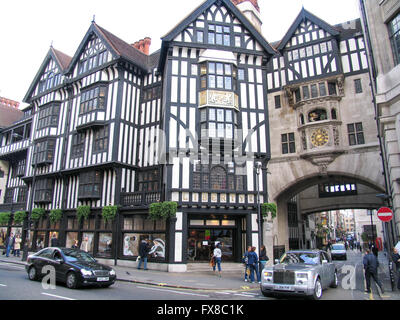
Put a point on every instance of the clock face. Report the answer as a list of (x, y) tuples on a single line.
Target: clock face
[(319, 137)]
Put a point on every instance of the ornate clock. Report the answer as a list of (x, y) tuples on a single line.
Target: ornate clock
[(319, 137)]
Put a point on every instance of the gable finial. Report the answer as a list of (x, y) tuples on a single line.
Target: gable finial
[(51, 44), (94, 19)]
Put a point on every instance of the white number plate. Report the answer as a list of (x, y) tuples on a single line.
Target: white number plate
[(286, 288), (105, 279)]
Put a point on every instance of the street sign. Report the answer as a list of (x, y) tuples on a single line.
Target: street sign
[(385, 214)]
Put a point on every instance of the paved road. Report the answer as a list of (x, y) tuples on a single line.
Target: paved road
[(14, 284)]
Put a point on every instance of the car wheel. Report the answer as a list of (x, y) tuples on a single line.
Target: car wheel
[(32, 274), (317, 290), (335, 282), (72, 280)]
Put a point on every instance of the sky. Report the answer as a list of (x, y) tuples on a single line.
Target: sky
[(29, 27)]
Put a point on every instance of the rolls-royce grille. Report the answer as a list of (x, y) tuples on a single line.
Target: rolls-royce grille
[(284, 277), (101, 273)]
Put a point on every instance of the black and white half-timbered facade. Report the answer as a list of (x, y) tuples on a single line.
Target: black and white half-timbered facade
[(116, 126)]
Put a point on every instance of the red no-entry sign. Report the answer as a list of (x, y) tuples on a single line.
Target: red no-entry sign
[(385, 214)]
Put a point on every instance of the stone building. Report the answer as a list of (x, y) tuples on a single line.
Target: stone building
[(382, 28)]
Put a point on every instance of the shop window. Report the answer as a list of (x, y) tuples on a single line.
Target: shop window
[(87, 242), (105, 245), (156, 241), (71, 238)]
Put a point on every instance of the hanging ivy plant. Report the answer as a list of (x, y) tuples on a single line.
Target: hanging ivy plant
[(37, 213), (55, 215), (83, 212), (19, 217), (163, 210), (5, 218), (269, 208), (109, 213)]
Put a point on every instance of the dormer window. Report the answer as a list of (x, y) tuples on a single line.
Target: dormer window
[(95, 55)]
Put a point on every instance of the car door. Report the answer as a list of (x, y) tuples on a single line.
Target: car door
[(42, 259), (58, 264), (329, 268)]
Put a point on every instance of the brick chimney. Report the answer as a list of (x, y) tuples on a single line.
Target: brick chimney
[(251, 10), (143, 45)]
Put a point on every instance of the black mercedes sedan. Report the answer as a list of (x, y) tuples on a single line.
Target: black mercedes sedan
[(74, 267)]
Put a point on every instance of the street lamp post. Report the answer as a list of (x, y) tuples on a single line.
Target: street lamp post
[(28, 227), (258, 166)]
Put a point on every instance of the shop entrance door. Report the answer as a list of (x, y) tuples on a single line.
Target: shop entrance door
[(201, 244)]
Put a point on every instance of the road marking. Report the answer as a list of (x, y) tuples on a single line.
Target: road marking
[(178, 292), (59, 297), (244, 295), (6, 264), (3, 285)]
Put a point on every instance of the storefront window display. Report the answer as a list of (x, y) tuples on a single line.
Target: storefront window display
[(87, 242), (71, 237), (105, 245), (131, 242), (3, 235), (40, 240)]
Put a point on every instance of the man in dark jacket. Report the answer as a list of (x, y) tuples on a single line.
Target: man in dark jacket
[(371, 265), (9, 244), (144, 250), (396, 261)]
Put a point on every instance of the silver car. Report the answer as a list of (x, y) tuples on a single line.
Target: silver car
[(300, 272)]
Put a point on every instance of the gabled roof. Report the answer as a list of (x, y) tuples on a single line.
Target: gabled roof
[(61, 59), (9, 115), (118, 47), (306, 15), (198, 12)]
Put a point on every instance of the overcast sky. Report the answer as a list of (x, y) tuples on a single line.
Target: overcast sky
[(29, 27)]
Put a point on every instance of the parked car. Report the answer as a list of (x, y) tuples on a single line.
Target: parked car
[(339, 251), (300, 272), (72, 266)]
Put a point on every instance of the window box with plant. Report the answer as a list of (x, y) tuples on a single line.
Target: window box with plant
[(19, 217), (37, 214), (269, 210), (55, 215), (5, 218), (109, 213), (83, 212), (163, 210)]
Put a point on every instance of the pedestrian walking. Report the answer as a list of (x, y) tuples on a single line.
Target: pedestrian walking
[(9, 244), (396, 261), (217, 254), (17, 245), (371, 265), (144, 250), (253, 265), (54, 241), (245, 260), (263, 257)]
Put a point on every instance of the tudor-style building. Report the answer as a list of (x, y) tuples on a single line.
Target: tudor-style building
[(114, 125)]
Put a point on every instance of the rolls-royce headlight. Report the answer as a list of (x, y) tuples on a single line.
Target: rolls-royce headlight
[(302, 276), (268, 274), (112, 272)]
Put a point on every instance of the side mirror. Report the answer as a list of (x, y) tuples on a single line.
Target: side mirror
[(324, 261), (276, 261)]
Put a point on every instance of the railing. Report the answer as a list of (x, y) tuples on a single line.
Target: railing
[(15, 147), (6, 207), (139, 198)]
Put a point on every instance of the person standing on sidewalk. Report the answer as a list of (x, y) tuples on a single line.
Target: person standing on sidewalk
[(144, 250), (253, 263), (371, 265), (396, 261), (246, 264), (217, 254), (17, 245), (9, 244), (263, 257)]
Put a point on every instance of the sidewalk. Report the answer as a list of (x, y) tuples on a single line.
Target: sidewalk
[(205, 280)]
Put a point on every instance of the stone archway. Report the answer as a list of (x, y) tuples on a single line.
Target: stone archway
[(301, 179)]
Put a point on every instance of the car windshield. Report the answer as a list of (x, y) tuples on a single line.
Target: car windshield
[(300, 257), (76, 255), (338, 247)]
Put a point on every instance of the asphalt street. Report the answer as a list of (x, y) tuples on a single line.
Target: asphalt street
[(15, 285)]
